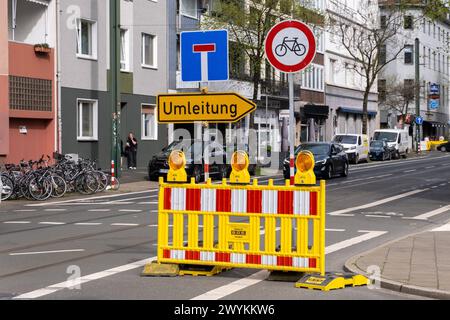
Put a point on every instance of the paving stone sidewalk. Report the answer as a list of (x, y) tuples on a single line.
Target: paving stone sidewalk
[(418, 264)]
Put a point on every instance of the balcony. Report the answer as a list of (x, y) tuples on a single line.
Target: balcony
[(276, 88)]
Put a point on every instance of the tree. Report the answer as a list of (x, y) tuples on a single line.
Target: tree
[(397, 96), (365, 36), (248, 22)]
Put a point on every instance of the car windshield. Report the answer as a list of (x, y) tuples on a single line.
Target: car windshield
[(316, 149), (376, 144), (345, 139), (389, 136), (184, 145)]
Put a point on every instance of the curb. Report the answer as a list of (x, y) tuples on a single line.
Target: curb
[(350, 266)]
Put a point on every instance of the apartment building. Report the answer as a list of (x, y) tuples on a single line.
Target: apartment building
[(344, 86), (85, 78), (434, 72), (28, 112)]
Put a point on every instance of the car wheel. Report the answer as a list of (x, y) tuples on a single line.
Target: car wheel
[(397, 155), (443, 149), (197, 174), (329, 172), (356, 159), (345, 171)]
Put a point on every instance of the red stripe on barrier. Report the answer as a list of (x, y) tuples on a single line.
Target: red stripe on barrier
[(254, 201), (223, 257), (253, 259), (284, 261), (167, 199), (285, 202), (223, 200), (313, 203), (166, 254), (312, 262), (192, 255), (193, 199)]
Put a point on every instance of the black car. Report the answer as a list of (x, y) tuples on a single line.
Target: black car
[(218, 168), (330, 159), (380, 150), (445, 147)]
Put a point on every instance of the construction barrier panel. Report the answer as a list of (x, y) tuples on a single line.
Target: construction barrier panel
[(245, 226)]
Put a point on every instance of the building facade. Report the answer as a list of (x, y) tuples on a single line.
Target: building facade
[(28, 112), (434, 73)]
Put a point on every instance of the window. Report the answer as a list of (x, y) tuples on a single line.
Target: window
[(86, 39), (320, 40), (382, 90), (408, 54), (149, 51), (149, 125), (312, 78), (332, 71), (124, 50), (382, 55), (383, 22), (87, 116), (189, 8), (408, 22)]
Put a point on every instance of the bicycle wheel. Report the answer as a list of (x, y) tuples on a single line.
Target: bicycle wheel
[(40, 188), (103, 181), (281, 50), (87, 183), (59, 186), (299, 49), (7, 187), (25, 187)]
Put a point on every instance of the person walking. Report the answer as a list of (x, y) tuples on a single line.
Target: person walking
[(131, 151)]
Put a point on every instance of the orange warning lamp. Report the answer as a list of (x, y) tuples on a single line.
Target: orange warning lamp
[(239, 166), (177, 162), (305, 168)]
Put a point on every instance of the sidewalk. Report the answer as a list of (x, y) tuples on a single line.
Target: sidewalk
[(418, 264)]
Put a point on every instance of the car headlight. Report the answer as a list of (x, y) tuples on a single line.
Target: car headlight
[(353, 148), (321, 161)]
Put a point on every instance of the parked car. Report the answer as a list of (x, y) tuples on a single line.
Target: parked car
[(158, 166), (380, 150), (399, 139), (445, 147), (330, 159), (355, 145)]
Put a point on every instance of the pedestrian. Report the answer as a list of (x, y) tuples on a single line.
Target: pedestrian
[(131, 151)]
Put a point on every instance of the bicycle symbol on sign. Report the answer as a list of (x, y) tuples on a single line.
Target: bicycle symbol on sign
[(290, 45)]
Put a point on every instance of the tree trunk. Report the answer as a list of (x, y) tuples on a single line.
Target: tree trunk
[(364, 116)]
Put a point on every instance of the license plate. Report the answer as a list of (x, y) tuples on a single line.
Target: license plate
[(163, 170)]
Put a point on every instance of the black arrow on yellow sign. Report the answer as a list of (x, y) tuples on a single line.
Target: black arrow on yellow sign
[(211, 107)]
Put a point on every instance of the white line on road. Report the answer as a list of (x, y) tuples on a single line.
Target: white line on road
[(45, 252), (151, 202), (445, 227), (259, 276), (88, 224), (430, 167), (430, 214), (17, 222), (335, 230), (99, 210), (374, 204), (125, 224), (419, 159), (53, 223), (25, 210), (55, 210), (407, 171), (376, 216), (129, 210), (94, 276), (88, 199)]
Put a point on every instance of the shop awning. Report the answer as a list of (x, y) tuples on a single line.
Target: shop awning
[(316, 111), (355, 111)]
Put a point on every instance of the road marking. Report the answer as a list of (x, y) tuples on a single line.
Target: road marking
[(129, 210), (419, 159), (88, 224), (53, 223), (90, 198), (430, 214), (129, 199), (376, 216), (125, 224), (434, 187), (442, 184), (259, 276), (45, 252), (55, 210), (407, 171), (374, 204), (99, 210), (151, 202), (94, 276), (368, 178), (445, 227), (430, 167), (17, 222), (335, 230), (25, 210)]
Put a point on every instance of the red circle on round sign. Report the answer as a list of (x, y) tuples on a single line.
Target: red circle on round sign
[(310, 54)]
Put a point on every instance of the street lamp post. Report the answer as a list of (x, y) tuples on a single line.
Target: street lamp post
[(417, 89)]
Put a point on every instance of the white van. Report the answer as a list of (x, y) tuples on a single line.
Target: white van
[(356, 146), (397, 138)]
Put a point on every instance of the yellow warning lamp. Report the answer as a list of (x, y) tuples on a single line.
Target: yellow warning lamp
[(305, 168), (177, 162), (239, 166)]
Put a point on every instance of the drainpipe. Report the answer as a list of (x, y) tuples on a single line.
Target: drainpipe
[(58, 126)]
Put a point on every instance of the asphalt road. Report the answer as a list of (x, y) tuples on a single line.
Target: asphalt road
[(106, 240)]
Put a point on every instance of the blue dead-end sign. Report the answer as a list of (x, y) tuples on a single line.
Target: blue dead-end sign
[(204, 56)]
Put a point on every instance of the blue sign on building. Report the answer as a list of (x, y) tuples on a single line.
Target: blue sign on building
[(419, 120), (204, 56), (434, 104), (434, 88)]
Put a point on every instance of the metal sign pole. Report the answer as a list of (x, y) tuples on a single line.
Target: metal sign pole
[(291, 127)]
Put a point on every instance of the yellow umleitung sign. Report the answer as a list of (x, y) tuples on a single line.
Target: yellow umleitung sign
[(212, 107)]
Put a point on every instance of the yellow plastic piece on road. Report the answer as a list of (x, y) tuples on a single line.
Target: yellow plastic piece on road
[(239, 166), (305, 169), (177, 162)]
